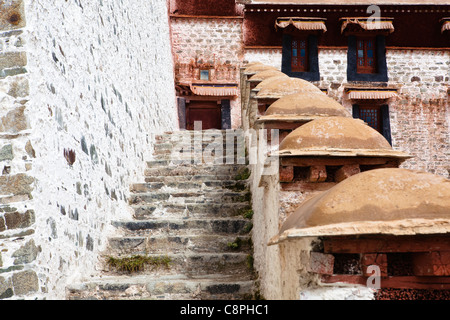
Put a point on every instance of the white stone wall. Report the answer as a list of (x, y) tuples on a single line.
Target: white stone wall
[(101, 84), (264, 187), (270, 57), (422, 74)]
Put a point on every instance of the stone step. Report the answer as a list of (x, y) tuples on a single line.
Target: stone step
[(194, 210), (207, 145), (191, 132), (190, 264), (215, 287), (179, 149), (197, 161), (193, 178), (178, 244), (172, 158), (197, 185), (192, 170), (234, 226), (188, 196), (200, 133)]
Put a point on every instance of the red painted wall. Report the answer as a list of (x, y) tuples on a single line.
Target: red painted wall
[(411, 29), (205, 7)]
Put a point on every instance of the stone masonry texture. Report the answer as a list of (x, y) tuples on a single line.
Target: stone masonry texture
[(81, 98)]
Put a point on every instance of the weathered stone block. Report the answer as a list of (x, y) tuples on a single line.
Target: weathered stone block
[(15, 220), (2, 224), (6, 290), (12, 15), (25, 282), (12, 72), (14, 121), (10, 60), (19, 88), (6, 153), (26, 253), (29, 149), (19, 184)]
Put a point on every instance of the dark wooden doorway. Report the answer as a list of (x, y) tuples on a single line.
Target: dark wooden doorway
[(208, 112)]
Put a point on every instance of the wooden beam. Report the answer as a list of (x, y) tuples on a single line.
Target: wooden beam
[(317, 174), (410, 282), (204, 16), (321, 263), (432, 263), (346, 172), (332, 161), (386, 244), (282, 125), (377, 259), (286, 173)]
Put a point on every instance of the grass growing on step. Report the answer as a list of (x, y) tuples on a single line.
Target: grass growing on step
[(247, 214), (236, 245), (250, 261), (237, 187), (248, 227), (137, 262), (243, 174)]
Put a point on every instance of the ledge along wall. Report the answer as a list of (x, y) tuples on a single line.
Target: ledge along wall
[(83, 89)]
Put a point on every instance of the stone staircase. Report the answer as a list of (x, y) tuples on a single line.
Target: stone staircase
[(190, 236)]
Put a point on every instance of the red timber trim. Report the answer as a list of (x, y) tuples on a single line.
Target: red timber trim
[(204, 17), (387, 244), (409, 282)]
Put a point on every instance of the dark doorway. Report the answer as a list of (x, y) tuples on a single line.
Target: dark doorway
[(208, 112)]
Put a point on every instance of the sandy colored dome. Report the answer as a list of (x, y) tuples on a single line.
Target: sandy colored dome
[(304, 106), (386, 201), (263, 75), (257, 67), (285, 86), (268, 81), (337, 136)]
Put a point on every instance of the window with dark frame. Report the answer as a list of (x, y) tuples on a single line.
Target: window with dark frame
[(366, 60), (299, 54), (376, 116), (366, 55), (372, 116)]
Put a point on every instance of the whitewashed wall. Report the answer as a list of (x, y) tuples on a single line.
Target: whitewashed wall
[(101, 84)]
